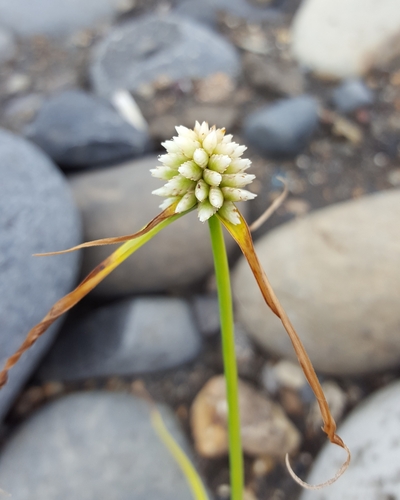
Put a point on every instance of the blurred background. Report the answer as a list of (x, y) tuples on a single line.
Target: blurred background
[(88, 91)]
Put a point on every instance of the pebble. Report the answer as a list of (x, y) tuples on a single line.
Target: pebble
[(147, 334), (281, 78), (284, 128), (337, 400), (93, 445), (81, 130), (54, 18), (37, 213), (357, 35), (209, 10), (351, 95), (371, 432), (8, 46), (20, 110), (283, 374), (206, 311), (145, 49), (336, 272), (265, 429), (118, 200)]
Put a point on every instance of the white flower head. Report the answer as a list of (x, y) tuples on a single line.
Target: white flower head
[(203, 167)]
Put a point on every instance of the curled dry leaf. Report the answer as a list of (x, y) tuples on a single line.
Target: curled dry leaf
[(241, 234)]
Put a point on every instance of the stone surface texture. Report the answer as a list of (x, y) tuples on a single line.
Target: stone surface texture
[(371, 432), (81, 130), (265, 428), (153, 47), (117, 201), (346, 37), (93, 446), (284, 128), (336, 273), (54, 17), (37, 214), (142, 335)]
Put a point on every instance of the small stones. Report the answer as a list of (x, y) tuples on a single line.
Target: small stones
[(284, 128), (351, 95), (8, 47), (93, 445), (138, 52), (129, 337), (80, 130), (336, 273), (265, 428)]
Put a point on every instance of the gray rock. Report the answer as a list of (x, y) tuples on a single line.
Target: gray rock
[(336, 272), (20, 110), (345, 38), (134, 336), (206, 311), (208, 10), (8, 47), (118, 200), (93, 446), (37, 214), (151, 47), (372, 434), (284, 128), (54, 17), (277, 76), (351, 95), (80, 130)]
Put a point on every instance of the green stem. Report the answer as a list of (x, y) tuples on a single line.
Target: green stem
[(228, 350)]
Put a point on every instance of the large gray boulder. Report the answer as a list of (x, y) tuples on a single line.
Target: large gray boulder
[(37, 214)]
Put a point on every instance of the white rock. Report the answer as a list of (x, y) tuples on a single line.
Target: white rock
[(372, 434), (337, 274), (345, 37)]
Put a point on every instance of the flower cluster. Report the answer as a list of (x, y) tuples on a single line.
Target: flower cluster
[(203, 167)]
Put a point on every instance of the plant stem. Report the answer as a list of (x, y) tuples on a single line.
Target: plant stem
[(228, 350)]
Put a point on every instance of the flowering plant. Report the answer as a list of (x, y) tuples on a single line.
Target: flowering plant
[(204, 170)]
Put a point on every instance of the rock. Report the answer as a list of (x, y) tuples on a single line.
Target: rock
[(93, 445), (280, 77), (21, 110), (284, 128), (206, 311), (351, 95), (80, 130), (337, 400), (118, 200), (283, 374), (265, 428), (8, 47), (151, 47), (125, 338), (336, 272), (371, 432), (244, 351), (208, 11), (356, 34), (37, 213), (55, 17)]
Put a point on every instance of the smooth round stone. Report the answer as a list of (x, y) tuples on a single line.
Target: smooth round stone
[(152, 47), (142, 335), (8, 47), (55, 17), (337, 275), (78, 129), (37, 214), (117, 201), (351, 95), (93, 446), (372, 434), (347, 37), (284, 128)]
